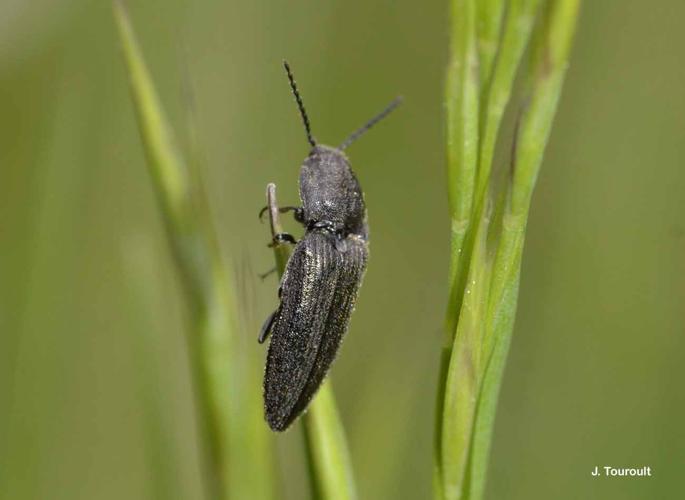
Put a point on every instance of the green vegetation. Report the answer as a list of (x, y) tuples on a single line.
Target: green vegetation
[(129, 366), (488, 228), (237, 461), (489, 218)]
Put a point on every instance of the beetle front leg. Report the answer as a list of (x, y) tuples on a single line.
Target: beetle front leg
[(280, 238), (298, 212)]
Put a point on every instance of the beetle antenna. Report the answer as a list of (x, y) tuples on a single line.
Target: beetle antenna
[(300, 104), (360, 131)]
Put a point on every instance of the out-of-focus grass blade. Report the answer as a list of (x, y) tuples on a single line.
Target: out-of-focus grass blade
[(224, 415), (250, 440), (164, 160), (328, 457), (159, 445)]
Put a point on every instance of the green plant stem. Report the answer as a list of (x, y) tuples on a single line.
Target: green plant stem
[(499, 326), (489, 17), (486, 284), (462, 139), (517, 30), (223, 416), (328, 458), (550, 55), (158, 444), (462, 154), (464, 371)]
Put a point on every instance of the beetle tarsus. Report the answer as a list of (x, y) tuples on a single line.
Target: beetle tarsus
[(282, 238), (263, 276), (266, 327), (298, 212)]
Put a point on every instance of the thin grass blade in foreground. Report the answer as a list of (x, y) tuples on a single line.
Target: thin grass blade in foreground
[(212, 319), (484, 290), (328, 457)]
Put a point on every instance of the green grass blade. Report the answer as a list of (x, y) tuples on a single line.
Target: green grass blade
[(234, 467), (464, 374), (517, 30), (462, 92), (462, 110), (490, 14), (462, 95), (482, 303), (550, 59), (499, 326), (328, 457), (165, 164), (159, 444)]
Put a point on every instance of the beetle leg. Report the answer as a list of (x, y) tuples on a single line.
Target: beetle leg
[(267, 274), (266, 327), (282, 238), (298, 212), (322, 224)]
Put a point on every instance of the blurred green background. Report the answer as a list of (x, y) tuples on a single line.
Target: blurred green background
[(94, 390)]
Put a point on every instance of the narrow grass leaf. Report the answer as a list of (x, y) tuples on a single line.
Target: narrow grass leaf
[(159, 443), (464, 374), (546, 78), (462, 139), (327, 453), (492, 250), (224, 416), (550, 58), (489, 26), (462, 95), (517, 30)]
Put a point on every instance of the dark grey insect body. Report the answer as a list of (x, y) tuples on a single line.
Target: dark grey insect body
[(322, 277)]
